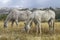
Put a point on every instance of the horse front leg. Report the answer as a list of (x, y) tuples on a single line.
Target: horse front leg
[(12, 23), (16, 21), (38, 26), (27, 26)]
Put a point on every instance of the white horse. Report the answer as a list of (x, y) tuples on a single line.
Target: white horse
[(38, 16), (16, 15)]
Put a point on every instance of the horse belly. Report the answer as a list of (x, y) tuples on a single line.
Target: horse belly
[(45, 18), (22, 18)]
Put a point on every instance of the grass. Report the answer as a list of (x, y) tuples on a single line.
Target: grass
[(16, 33)]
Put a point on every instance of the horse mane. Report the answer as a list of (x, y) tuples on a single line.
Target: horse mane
[(34, 9), (24, 9)]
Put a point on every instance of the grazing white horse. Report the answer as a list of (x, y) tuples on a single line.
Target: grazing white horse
[(16, 15), (41, 15)]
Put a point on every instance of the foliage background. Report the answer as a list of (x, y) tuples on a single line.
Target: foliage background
[(5, 11)]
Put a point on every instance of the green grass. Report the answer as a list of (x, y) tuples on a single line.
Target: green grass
[(16, 33)]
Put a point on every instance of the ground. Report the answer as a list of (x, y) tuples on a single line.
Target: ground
[(16, 33)]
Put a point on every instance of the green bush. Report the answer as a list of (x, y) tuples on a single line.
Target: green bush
[(3, 16)]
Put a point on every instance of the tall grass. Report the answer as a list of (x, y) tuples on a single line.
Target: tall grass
[(16, 33)]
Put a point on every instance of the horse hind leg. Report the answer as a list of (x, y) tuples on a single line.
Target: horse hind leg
[(51, 25)]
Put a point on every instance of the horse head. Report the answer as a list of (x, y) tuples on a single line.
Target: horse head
[(5, 24)]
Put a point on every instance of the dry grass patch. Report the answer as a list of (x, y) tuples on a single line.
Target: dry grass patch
[(15, 33)]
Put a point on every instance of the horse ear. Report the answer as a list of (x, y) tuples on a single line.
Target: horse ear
[(26, 9), (51, 8)]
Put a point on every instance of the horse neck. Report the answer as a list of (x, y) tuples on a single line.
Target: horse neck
[(7, 19)]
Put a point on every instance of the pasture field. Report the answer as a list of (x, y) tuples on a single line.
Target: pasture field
[(16, 33)]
